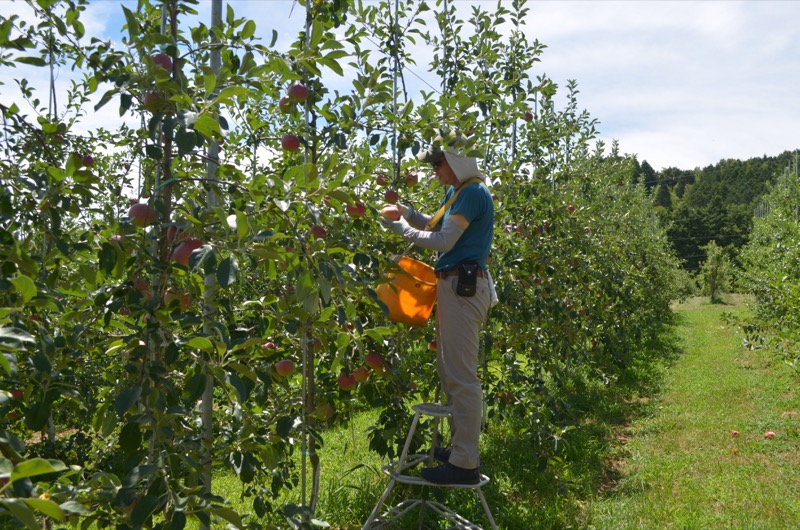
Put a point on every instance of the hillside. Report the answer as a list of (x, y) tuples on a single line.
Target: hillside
[(715, 203)]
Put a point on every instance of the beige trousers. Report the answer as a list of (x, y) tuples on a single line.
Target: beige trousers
[(458, 325)]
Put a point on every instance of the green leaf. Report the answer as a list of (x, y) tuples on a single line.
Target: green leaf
[(74, 507), (231, 92), (200, 343), (145, 509), (155, 152), (242, 225), (207, 125), (210, 82), (106, 98), (248, 30), (34, 467), (126, 399), (107, 258), (35, 61), (333, 65), (25, 286), (130, 438), (22, 512), (227, 272), (317, 30), (228, 514), (47, 507)]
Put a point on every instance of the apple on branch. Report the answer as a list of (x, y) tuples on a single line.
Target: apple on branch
[(324, 411), (163, 60), (318, 232), (361, 374), (391, 196), (356, 210), (346, 381), (142, 214), (298, 92), (290, 142), (375, 361), (183, 252), (284, 367)]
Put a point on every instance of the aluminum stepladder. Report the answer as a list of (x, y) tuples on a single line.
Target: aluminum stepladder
[(396, 471)]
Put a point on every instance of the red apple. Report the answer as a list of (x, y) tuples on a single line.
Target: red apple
[(355, 210), (16, 393), (142, 214), (769, 434), (124, 311), (382, 179), (412, 178), (143, 286), (318, 232), (163, 60), (183, 252), (571, 208), (12, 416), (528, 116), (172, 231), (324, 411), (391, 196), (284, 367), (285, 105), (734, 433), (269, 345), (153, 101), (184, 299), (87, 160), (290, 142), (298, 92), (375, 361), (361, 374), (432, 345), (346, 381)]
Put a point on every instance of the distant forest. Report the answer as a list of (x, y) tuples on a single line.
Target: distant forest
[(716, 203)]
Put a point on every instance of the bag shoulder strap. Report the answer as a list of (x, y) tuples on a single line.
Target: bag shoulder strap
[(438, 215)]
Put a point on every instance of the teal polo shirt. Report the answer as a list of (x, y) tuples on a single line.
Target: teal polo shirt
[(476, 205)]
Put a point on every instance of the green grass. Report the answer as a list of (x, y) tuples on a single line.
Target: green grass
[(653, 450), (683, 468)]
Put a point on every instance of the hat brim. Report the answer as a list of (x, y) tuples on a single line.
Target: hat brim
[(431, 156)]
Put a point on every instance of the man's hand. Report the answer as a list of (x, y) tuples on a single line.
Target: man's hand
[(398, 227)]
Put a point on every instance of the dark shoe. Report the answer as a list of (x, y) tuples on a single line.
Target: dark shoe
[(449, 474), (442, 454)]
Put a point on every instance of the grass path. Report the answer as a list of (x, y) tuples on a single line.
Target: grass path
[(684, 467)]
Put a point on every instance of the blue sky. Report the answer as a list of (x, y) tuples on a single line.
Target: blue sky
[(678, 83)]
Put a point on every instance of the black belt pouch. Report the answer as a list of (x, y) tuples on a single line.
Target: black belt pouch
[(467, 278)]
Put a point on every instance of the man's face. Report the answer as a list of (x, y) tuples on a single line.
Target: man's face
[(444, 172)]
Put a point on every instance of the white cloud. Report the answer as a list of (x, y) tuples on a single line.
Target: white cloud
[(679, 83)]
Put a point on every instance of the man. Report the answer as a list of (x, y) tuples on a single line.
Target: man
[(463, 239)]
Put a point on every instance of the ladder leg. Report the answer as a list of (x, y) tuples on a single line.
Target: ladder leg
[(421, 520), (377, 507), (401, 464), (486, 509)]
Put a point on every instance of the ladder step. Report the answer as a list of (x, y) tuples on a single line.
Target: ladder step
[(433, 409), (397, 475)]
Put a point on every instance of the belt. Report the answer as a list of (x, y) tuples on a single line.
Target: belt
[(480, 273)]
